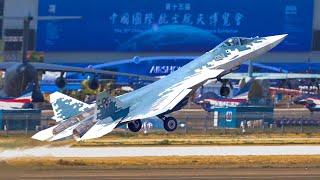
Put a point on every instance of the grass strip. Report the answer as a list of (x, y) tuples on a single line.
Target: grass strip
[(293, 161), (130, 139)]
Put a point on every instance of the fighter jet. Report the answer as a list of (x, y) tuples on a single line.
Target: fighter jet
[(250, 76), (311, 101), (205, 95), (158, 99)]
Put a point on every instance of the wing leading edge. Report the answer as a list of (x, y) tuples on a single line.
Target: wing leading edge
[(272, 76), (160, 102), (62, 68), (149, 107)]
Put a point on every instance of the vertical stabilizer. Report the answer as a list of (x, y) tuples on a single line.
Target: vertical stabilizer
[(110, 112), (65, 106)]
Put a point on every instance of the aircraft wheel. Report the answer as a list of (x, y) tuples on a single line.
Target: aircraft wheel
[(170, 124), (135, 125), (60, 82), (37, 96), (93, 84), (224, 91)]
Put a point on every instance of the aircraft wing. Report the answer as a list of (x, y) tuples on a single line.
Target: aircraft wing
[(6, 65), (146, 102), (262, 76), (156, 102), (63, 68)]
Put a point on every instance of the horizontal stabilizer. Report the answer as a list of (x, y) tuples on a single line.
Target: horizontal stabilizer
[(45, 134), (64, 129), (100, 129), (64, 134)]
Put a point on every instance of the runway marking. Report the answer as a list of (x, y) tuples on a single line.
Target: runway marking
[(161, 151), (206, 173)]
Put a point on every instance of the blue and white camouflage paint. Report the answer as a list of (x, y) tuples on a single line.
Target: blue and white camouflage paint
[(162, 96)]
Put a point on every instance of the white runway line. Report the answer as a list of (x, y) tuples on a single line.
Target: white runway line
[(160, 151)]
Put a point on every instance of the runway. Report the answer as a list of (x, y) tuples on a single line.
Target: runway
[(123, 174), (160, 151)]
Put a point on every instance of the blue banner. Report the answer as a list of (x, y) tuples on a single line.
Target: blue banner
[(170, 25), (164, 65)]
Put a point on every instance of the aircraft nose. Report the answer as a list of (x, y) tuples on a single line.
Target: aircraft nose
[(275, 40), (296, 101), (299, 100)]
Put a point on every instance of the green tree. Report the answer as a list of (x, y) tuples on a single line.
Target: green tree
[(86, 90)]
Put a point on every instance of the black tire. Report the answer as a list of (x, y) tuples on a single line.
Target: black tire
[(37, 96), (60, 82), (93, 84), (135, 126), (170, 124), (224, 91)]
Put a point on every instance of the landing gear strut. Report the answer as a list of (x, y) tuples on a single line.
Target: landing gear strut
[(135, 126), (169, 123)]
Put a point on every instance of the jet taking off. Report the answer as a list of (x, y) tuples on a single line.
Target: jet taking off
[(171, 93)]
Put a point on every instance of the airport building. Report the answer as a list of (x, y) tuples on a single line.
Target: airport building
[(236, 117), (107, 31), (14, 120)]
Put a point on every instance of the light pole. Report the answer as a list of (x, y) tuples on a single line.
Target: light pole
[(26, 33)]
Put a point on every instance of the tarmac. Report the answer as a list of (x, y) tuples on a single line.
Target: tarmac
[(123, 174), (161, 151)]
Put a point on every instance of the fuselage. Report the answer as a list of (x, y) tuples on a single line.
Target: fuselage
[(310, 101), (226, 56), (156, 99), (17, 78)]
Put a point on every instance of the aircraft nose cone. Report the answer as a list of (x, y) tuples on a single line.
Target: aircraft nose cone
[(277, 37), (296, 101), (275, 40), (299, 100)]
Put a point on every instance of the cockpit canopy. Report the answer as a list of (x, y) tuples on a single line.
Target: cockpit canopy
[(236, 41)]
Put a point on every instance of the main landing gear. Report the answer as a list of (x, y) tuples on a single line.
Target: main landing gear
[(135, 126), (169, 123)]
